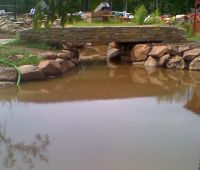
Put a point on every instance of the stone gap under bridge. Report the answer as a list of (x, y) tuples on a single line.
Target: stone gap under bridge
[(106, 34)]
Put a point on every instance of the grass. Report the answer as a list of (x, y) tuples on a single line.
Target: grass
[(194, 38), (8, 53), (31, 44)]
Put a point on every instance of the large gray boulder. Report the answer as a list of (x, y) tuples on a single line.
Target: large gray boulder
[(176, 62), (8, 74), (50, 67), (140, 52), (195, 64), (191, 54), (30, 72)]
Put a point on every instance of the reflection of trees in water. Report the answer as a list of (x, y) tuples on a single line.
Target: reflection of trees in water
[(178, 96), (28, 152), (193, 103)]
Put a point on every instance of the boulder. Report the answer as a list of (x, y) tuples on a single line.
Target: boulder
[(172, 50), (76, 52), (70, 64), (48, 56), (30, 72), (151, 61), (64, 65), (158, 51), (191, 54), (113, 45), (6, 84), (113, 52), (140, 52), (75, 60), (195, 64), (63, 56), (181, 50), (66, 54), (50, 67), (176, 62), (163, 60), (8, 74)]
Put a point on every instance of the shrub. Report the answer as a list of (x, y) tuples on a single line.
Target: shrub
[(155, 18), (140, 15), (188, 26)]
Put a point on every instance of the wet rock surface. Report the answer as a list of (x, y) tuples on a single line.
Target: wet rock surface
[(195, 64), (191, 54), (140, 52), (8, 74), (30, 72), (176, 62), (158, 51), (151, 61), (50, 67)]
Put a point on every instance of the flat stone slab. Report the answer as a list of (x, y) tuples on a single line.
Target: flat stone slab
[(102, 34)]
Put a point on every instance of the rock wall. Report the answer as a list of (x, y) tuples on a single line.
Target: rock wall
[(52, 64), (163, 55), (102, 35)]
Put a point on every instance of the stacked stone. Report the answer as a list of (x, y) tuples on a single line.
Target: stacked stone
[(52, 65), (169, 56), (8, 26)]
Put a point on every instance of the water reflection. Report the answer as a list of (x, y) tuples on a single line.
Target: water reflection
[(99, 82), (15, 153)]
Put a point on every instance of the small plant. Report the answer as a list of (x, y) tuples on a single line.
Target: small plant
[(155, 18), (140, 15), (188, 26)]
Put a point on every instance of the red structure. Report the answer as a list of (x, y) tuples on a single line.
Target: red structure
[(196, 27)]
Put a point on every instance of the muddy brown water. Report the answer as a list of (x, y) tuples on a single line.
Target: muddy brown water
[(96, 118)]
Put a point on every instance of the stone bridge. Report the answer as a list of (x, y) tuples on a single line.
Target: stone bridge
[(106, 34)]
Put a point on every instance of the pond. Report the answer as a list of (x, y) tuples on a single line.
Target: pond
[(98, 118)]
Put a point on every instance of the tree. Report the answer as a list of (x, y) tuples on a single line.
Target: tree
[(55, 9)]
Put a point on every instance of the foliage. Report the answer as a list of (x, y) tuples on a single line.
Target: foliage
[(188, 26), (7, 53), (155, 18), (166, 6), (140, 15), (49, 10)]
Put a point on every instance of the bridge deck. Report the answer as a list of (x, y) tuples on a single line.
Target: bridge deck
[(102, 35)]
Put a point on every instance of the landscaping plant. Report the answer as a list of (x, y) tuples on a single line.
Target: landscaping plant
[(140, 15)]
